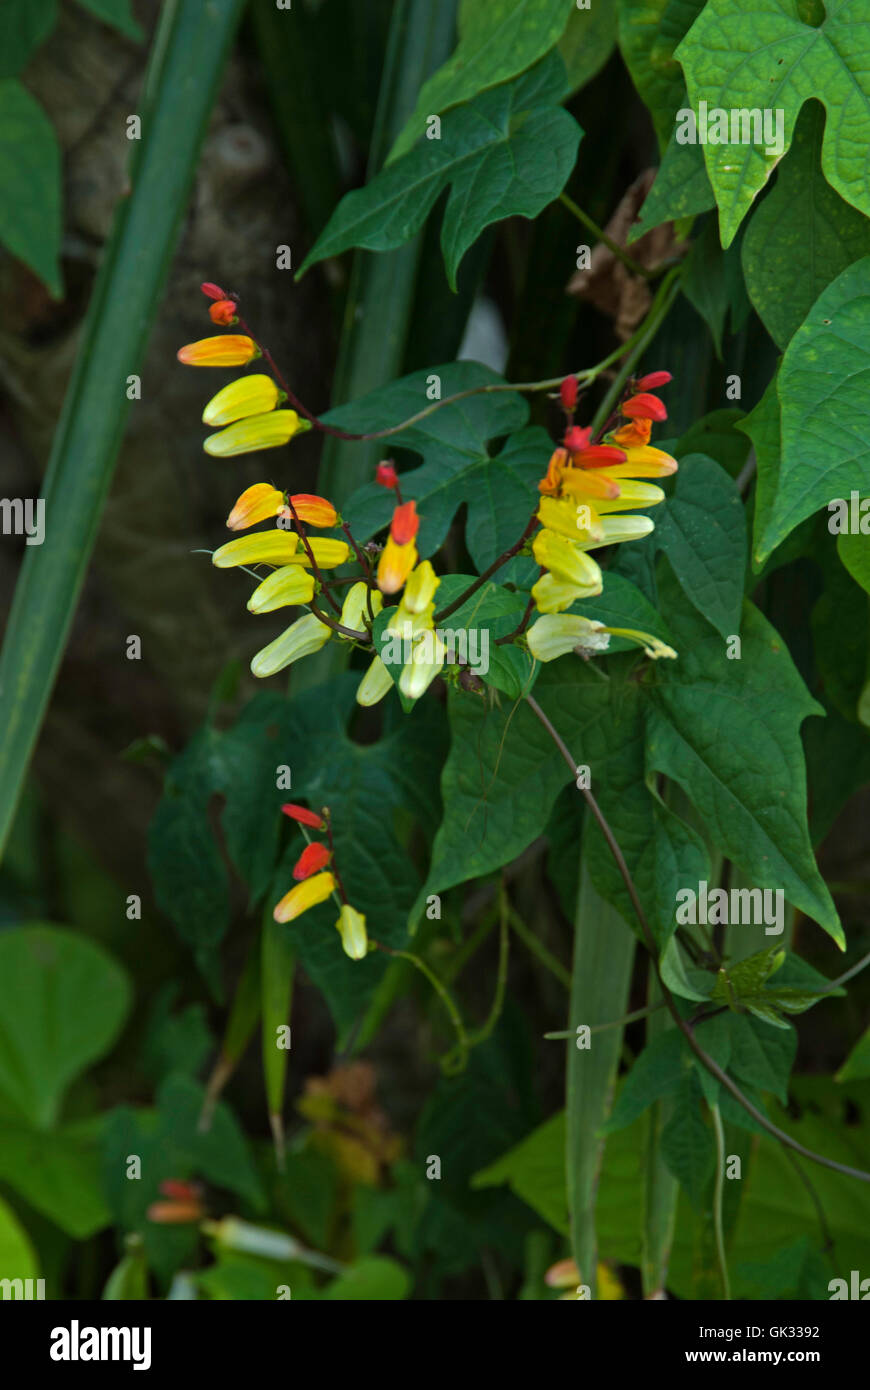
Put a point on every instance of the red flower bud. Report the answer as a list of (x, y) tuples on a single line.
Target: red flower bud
[(181, 1191), (405, 523), (303, 815), (386, 474), (601, 456), (313, 858), (653, 380), (644, 407), (223, 311), (576, 439), (212, 291), (568, 392)]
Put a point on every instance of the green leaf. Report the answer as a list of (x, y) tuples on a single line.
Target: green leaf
[(853, 550), (30, 176), (763, 427), (493, 611), (822, 387), (58, 1173), (649, 31), (687, 1142), (62, 1006), (658, 1071), (507, 153), (713, 282), (702, 530), (17, 1255), (857, 1065), (757, 54), (23, 27), (716, 436), (500, 490), (714, 725), (191, 40), (129, 1278), (535, 1170), (681, 190), (276, 975), (498, 40), (117, 13), (801, 236), (762, 1056), (374, 1279), (587, 43)]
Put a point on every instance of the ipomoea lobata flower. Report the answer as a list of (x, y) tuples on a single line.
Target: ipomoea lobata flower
[(567, 561), (355, 610), (289, 584), (420, 588), (303, 896), (227, 350), (249, 395), (395, 565), (302, 638), (313, 858), (257, 503), (375, 684), (555, 635), (303, 815), (223, 311), (255, 432), (263, 548), (311, 510), (644, 406), (351, 927), (428, 654)]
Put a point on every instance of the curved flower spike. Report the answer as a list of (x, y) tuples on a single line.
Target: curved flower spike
[(307, 894), (255, 432), (249, 395), (227, 350)]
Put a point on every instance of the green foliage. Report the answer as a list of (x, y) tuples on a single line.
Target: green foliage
[(30, 221)]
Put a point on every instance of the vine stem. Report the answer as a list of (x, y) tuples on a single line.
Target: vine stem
[(637, 345), (488, 572), (443, 994), (718, 1193), (649, 940), (618, 251)]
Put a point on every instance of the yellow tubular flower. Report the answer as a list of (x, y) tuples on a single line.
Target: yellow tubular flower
[(327, 553), (375, 684), (420, 588), (250, 395), (256, 432), (395, 565), (625, 528), (579, 521), (653, 646), (308, 893), (551, 636), (355, 609), (290, 584), (552, 595), (302, 638), (644, 462), (256, 503), (588, 482), (311, 510), (631, 495), (226, 350), (265, 548), (351, 927), (567, 561), (427, 658)]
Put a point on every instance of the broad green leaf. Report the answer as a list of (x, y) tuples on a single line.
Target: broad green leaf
[(649, 31), (507, 153), (129, 1279), (587, 43), (30, 176), (801, 236), (702, 530), (687, 1141), (500, 489), (498, 40), (376, 1278), (658, 1071), (798, 1271), (857, 1065), (838, 764), (62, 1003), (840, 625), (117, 13), (276, 975), (681, 190), (17, 1256), (58, 1173), (124, 303), (23, 27), (716, 436), (762, 1056), (854, 551), (715, 725), (757, 55), (713, 282), (823, 391), (763, 427)]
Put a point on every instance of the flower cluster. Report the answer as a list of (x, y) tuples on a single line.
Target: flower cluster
[(588, 494), (317, 879)]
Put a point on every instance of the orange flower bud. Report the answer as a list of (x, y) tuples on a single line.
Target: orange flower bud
[(644, 407), (405, 523), (395, 565), (313, 858), (386, 474), (633, 435), (257, 503), (552, 479), (303, 815), (228, 350), (175, 1213), (652, 380), (311, 510), (223, 311)]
